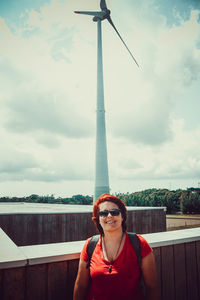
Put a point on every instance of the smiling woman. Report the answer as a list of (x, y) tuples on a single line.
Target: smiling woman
[(114, 270)]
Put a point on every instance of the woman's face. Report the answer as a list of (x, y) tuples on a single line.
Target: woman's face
[(109, 222)]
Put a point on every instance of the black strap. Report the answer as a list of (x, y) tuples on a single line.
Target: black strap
[(137, 247), (90, 248), (135, 242)]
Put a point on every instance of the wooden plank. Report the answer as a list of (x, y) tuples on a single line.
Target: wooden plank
[(83, 226), (197, 244), (157, 254), (71, 277), (1, 284), (54, 227), (59, 228), (14, 284), (191, 270), (72, 227), (46, 233), (5, 223), (160, 220), (90, 227), (180, 272), (132, 225), (8, 227), (63, 236), (40, 230), (24, 230), (57, 281), (17, 229), (146, 218), (167, 258), (79, 230), (154, 222), (30, 237), (36, 282), (138, 224), (130, 220)]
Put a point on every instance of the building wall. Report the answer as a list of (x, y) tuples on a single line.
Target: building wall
[(33, 229)]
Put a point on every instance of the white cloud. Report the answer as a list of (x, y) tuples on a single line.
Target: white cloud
[(48, 95)]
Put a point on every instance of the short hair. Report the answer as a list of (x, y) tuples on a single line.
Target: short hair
[(110, 198)]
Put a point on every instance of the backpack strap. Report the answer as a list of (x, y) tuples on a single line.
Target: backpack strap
[(90, 248), (135, 242)]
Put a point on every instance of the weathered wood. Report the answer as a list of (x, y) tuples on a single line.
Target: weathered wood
[(47, 224), (57, 281), (178, 269), (14, 284), (167, 258), (91, 228), (71, 277), (197, 244), (180, 272), (64, 229), (40, 237), (54, 229), (82, 223), (157, 254), (146, 220), (191, 271), (72, 227), (1, 284), (5, 224), (36, 282), (34, 229)]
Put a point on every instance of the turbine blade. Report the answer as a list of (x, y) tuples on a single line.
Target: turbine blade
[(91, 13), (103, 5), (111, 22)]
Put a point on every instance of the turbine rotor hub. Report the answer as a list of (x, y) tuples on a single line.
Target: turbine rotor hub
[(105, 15)]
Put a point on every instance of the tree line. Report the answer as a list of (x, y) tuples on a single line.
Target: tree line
[(185, 201)]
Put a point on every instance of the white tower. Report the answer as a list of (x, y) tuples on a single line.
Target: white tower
[(101, 171)]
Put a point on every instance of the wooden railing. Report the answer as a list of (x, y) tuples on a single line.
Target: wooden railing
[(34, 224), (48, 271)]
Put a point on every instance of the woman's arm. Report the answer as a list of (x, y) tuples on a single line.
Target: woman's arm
[(82, 281), (150, 277)]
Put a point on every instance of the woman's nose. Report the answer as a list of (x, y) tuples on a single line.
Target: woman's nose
[(109, 214)]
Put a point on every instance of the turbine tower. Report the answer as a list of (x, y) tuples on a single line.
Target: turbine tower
[(101, 171)]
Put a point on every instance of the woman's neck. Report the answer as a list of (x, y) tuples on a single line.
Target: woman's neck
[(113, 235)]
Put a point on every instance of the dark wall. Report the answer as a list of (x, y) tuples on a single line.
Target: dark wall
[(34, 229), (178, 276)]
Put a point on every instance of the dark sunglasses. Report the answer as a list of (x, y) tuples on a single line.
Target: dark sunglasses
[(113, 212)]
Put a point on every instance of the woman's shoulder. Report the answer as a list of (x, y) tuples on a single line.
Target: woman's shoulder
[(88, 243), (144, 245)]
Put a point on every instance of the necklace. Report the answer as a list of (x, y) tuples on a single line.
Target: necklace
[(110, 266)]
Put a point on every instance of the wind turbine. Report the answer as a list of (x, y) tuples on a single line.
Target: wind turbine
[(101, 171)]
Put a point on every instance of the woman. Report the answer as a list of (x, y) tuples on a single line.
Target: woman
[(114, 272)]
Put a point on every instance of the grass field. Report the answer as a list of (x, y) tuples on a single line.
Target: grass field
[(175, 222)]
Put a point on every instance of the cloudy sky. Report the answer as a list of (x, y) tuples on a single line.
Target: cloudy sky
[(48, 96)]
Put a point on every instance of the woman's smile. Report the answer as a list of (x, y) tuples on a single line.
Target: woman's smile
[(110, 222)]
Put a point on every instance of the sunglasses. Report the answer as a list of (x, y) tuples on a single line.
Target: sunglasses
[(113, 212)]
